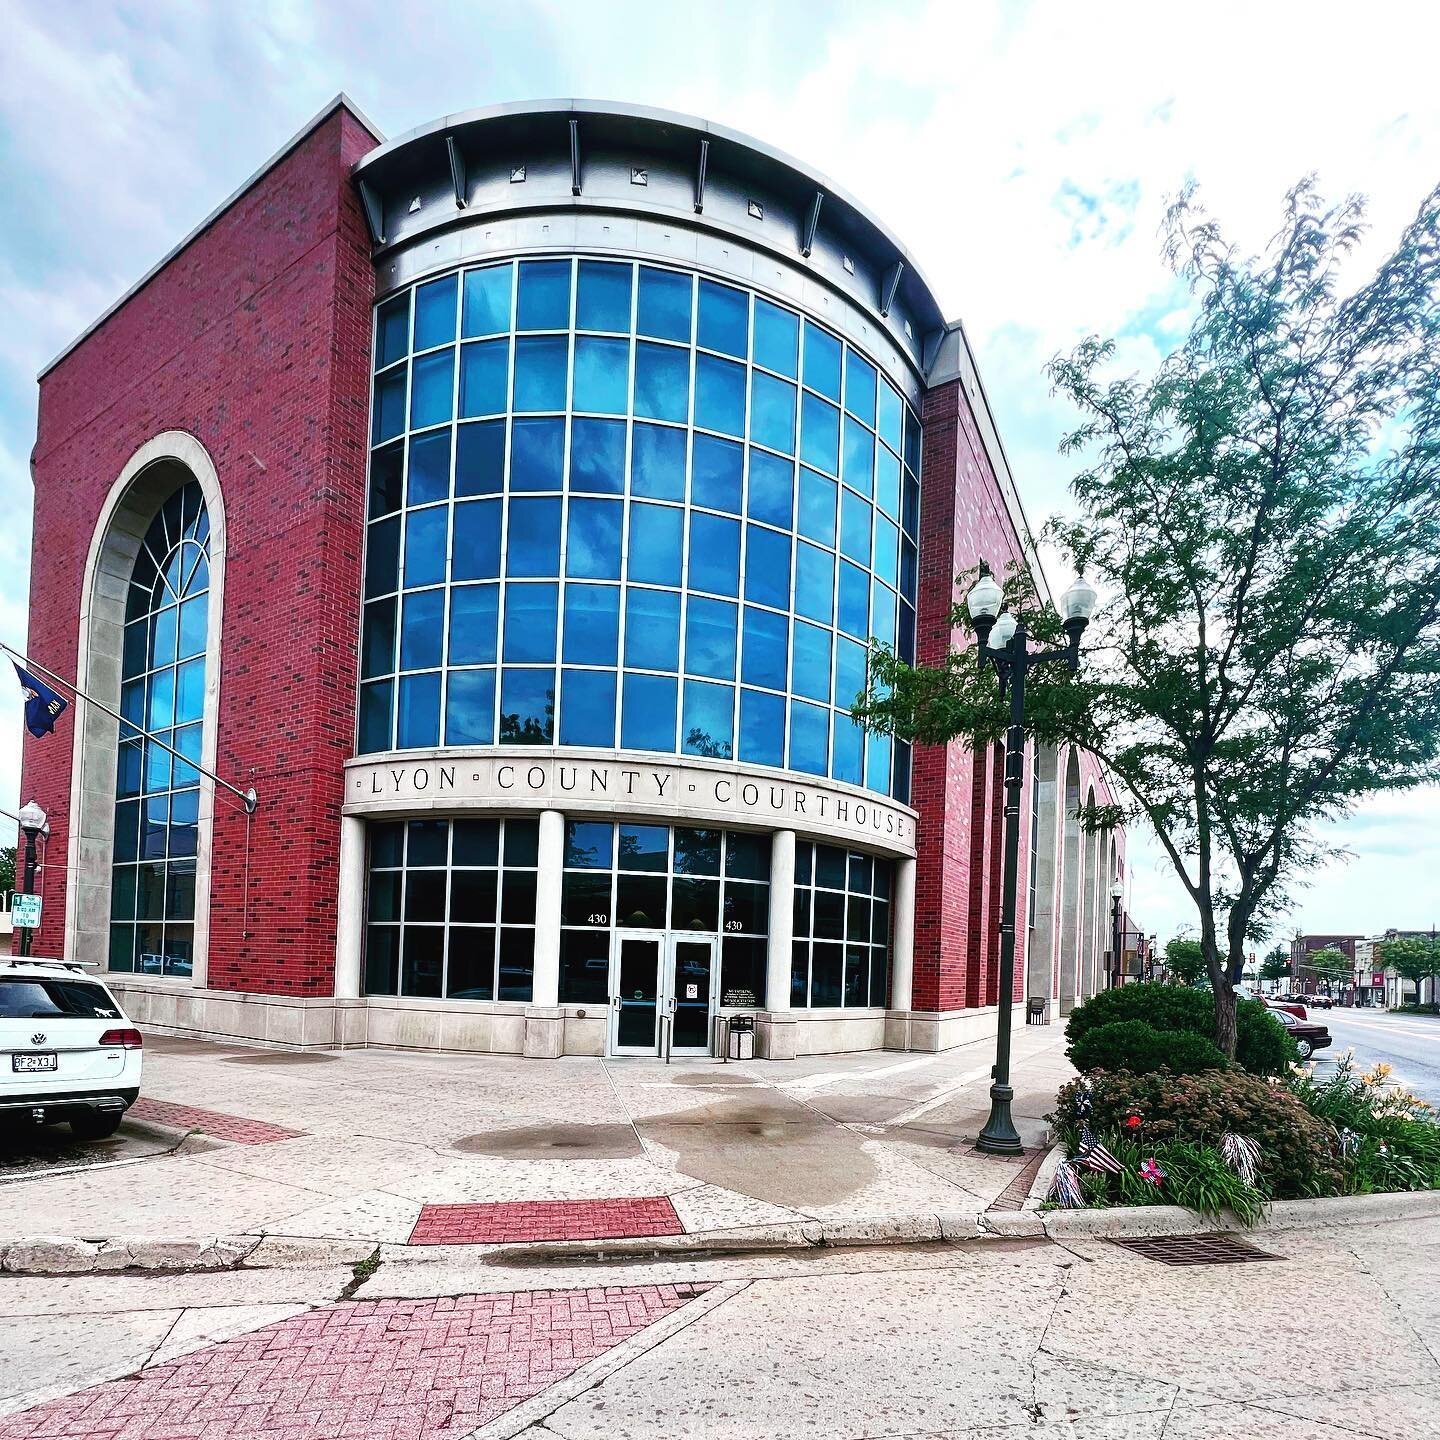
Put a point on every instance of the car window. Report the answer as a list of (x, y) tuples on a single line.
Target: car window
[(1284, 1017), (28, 998)]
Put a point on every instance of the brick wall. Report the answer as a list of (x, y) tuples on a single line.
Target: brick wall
[(255, 339)]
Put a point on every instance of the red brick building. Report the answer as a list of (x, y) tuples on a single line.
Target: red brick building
[(509, 505)]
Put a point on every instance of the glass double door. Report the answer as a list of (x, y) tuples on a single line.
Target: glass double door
[(662, 993)]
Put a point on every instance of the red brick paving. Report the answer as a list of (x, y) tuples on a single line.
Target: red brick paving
[(212, 1122), (362, 1370), (511, 1221)]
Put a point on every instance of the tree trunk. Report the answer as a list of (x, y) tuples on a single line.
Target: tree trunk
[(1225, 1020)]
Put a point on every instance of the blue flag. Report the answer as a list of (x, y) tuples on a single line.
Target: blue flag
[(43, 707)]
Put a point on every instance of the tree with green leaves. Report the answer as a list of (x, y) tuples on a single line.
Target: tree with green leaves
[(1415, 958), (1332, 967), (7, 869), (1276, 964), (1262, 519), (1184, 960)]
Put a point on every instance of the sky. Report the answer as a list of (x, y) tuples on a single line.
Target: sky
[(1023, 153)]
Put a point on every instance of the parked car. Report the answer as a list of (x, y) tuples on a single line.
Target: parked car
[(1321, 1002), (1307, 1035), (1298, 1011), (67, 1050)]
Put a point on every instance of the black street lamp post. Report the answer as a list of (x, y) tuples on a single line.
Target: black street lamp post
[(1117, 938), (33, 823), (1012, 662)]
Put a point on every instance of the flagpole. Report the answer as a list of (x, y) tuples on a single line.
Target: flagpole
[(247, 797)]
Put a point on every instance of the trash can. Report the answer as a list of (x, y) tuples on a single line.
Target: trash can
[(742, 1037), (1035, 1011)]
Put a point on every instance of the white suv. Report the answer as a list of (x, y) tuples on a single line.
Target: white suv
[(67, 1052)]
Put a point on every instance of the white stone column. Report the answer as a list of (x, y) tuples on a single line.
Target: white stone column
[(776, 1038), (902, 956), (551, 862), (350, 908)]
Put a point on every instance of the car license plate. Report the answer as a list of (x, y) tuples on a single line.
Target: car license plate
[(43, 1060)]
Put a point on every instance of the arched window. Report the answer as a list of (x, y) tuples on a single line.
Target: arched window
[(162, 691)]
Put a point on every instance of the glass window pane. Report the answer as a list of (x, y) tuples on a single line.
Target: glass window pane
[(429, 477), (694, 904), (855, 516), (772, 412), (809, 738), (602, 375), (538, 460), (747, 855), (389, 417), (766, 649), (657, 466), (877, 762), (477, 842), (814, 583), (470, 707), (664, 304), (432, 389), (849, 672), (530, 622), (480, 458), (697, 852), (708, 721), (717, 474), (435, 313), (422, 960), (375, 717), (882, 613), (747, 907), (860, 387), (476, 540), (541, 362), (714, 554), (887, 550), (710, 638), (473, 615), (822, 361), (522, 843), (603, 299), (527, 707), (762, 728), (425, 545), (648, 713), (392, 330), (589, 844), (592, 539), (160, 700), (767, 567), (772, 489), (887, 483), (586, 897), (652, 629), (909, 571), (532, 537), (777, 337), (419, 716), (517, 963), (640, 901), (644, 848), (890, 413), (422, 630), (724, 319), (662, 383), (854, 616), (180, 890), (811, 673), (486, 304), (720, 395), (382, 960), (849, 758), (820, 434), (597, 456), (470, 968), (859, 466), (587, 708), (484, 378), (656, 544), (162, 637), (190, 691), (585, 966), (544, 301), (387, 472), (592, 624), (817, 507)]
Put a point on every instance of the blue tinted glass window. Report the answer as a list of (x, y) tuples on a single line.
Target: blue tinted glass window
[(720, 395), (909, 571), (647, 712), (544, 302), (717, 471), (809, 738), (820, 434), (382, 557), (822, 361), (887, 550), (425, 546), (435, 313), (911, 453), (389, 419), (602, 375), (810, 674), (905, 645), (859, 466), (656, 544), (375, 716), (877, 764), (714, 554), (710, 638), (890, 412), (392, 331), (767, 567), (762, 728), (772, 489), (662, 383), (484, 378), (419, 718), (855, 526), (473, 613), (587, 708), (532, 538), (882, 613), (849, 672), (592, 624), (429, 476), (537, 459), (657, 464), (854, 600), (480, 458), (765, 651), (527, 707), (603, 299), (386, 473), (592, 544), (887, 483), (476, 547), (597, 456), (652, 629), (432, 389), (860, 387), (470, 707), (540, 365), (814, 583), (707, 725), (772, 412), (817, 507), (664, 304), (377, 641), (724, 319), (847, 764), (910, 505), (530, 622), (190, 691), (422, 630), (485, 309), (777, 338)]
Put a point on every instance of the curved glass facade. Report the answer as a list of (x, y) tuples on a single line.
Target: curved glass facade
[(615, 505), (162, 691)]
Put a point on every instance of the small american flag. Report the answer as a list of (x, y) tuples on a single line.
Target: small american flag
[(1095, 1156)]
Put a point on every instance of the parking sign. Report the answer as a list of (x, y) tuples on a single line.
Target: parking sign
[(25, 911)]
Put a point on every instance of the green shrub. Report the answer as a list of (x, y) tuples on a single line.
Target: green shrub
[(1263, 1047), (1195, 1176), (1297, 1150), (1142, 1049)]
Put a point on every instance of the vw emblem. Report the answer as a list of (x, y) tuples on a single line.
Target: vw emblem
[(38, 1038)]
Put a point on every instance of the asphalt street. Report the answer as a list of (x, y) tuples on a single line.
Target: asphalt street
[(1410, 1044)]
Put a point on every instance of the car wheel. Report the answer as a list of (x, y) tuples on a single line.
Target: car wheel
[(96, 1125), (1304, 1049)]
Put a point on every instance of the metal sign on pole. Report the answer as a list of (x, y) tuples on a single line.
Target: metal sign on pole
[(25, 911)]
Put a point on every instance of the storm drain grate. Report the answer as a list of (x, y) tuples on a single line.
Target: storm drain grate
[(1197, 1249)]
